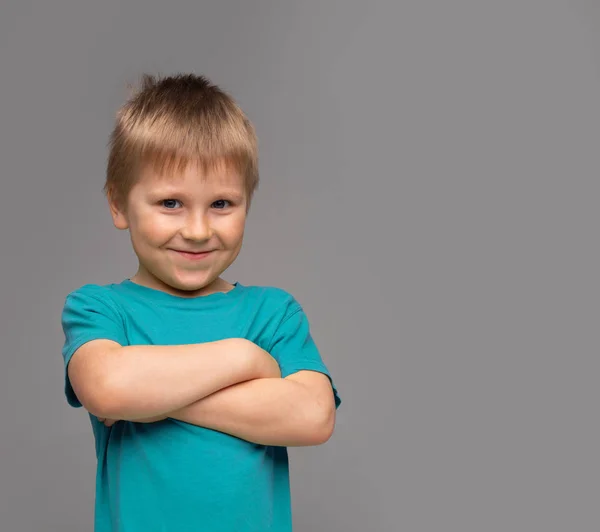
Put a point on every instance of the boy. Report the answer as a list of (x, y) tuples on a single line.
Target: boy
[(194, 386)]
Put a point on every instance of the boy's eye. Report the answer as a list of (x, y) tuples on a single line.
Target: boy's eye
[(219, 203), (168, 203), (171, 203)]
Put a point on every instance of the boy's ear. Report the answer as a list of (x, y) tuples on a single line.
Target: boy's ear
[(118, 213)]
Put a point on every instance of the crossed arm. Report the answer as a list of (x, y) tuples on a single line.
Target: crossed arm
[(229, 386)]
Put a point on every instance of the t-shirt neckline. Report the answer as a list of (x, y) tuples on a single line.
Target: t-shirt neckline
[(160, 295)]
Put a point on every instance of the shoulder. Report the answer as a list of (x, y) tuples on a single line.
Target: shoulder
[(279, 302), (272, 294), (89, 290), (94, 295), (278, 295)]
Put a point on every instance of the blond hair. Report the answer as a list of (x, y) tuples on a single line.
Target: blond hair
[(175, 121)]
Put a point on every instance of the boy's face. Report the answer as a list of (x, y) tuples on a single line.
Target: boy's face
[(167, 216)]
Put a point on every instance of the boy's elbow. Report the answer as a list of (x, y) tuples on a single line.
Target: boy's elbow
[(95, 379), (323, 426), (113, 401), (102, 400), (90, 391), (104, 396), (328, 426)]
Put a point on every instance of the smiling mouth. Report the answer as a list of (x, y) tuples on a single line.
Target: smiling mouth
[(193, 254)]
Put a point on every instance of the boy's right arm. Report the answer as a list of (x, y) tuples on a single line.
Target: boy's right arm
[(143, 381)]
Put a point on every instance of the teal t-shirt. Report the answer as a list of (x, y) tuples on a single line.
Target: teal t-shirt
[(172, 476)]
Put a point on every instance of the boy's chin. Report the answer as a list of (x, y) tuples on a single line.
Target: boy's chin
[(192, 284)]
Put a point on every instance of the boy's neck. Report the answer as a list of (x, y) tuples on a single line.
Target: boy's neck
[(218, 285)]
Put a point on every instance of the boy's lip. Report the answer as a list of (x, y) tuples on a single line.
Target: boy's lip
[(193, 255), (195, 252)]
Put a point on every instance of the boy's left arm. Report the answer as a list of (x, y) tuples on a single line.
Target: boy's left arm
[(298, 410)]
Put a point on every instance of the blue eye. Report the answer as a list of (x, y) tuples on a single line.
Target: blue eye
[(168, 203), (220, 201)]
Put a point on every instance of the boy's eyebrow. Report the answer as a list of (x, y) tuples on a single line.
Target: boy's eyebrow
[(176, 191)]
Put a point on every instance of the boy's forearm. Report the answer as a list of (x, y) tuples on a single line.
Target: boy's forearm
[(149, 380), (264, 411)]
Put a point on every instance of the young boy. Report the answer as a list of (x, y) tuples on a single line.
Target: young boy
[(194, 386)]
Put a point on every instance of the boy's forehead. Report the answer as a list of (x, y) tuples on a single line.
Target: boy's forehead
[(192, 177)]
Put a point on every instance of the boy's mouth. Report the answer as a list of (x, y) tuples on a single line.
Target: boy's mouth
[(193, 254)]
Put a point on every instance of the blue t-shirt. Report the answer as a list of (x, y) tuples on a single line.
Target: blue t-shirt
[(172, 476)]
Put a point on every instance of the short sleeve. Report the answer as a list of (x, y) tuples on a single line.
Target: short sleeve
[(87, 315), (294, 348)]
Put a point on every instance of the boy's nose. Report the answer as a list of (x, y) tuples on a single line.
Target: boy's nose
[(197, 228)]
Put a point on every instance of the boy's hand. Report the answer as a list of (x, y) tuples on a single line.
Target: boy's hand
[(151, 419), (110, 422), (107, 422)]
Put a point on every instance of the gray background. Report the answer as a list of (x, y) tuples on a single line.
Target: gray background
[(429, 194)]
